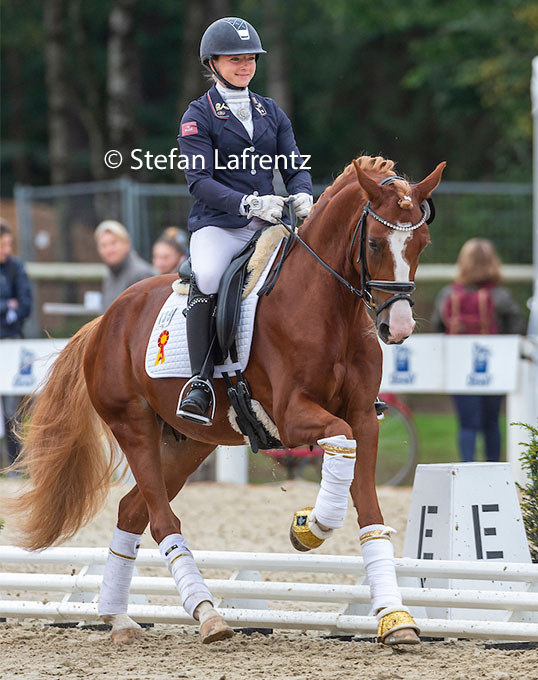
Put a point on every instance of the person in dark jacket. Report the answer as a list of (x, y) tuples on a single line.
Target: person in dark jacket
[(476, 303), (233, 140), (125, 267), (15, 307)]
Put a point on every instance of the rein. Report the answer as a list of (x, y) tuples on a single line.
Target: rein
[(401, 289)]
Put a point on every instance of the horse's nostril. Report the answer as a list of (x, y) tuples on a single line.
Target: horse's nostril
[(383, 330)]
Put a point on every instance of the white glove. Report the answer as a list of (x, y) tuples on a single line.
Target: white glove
[(302, 204), (11, 316), (268, 208)]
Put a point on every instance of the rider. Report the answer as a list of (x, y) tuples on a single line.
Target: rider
[(230, 138)]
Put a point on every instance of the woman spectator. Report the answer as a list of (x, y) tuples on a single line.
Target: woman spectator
[(168, 255), (125, 266), (477, 304)]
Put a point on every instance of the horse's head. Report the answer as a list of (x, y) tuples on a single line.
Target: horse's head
[(391, 234)]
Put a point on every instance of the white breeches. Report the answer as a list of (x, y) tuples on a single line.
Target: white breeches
[(213, 248)]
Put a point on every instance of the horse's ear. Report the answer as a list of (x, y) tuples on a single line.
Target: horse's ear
[(423, 189), (370, 187)]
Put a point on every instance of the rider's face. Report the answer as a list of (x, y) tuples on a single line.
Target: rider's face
[(238, 69)]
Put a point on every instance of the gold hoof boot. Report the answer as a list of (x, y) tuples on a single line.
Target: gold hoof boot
[(301, 536), (396, 626)]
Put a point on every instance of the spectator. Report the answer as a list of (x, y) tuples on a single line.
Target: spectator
[(168, 255), (476, 303), (15, 307), (124, 264)]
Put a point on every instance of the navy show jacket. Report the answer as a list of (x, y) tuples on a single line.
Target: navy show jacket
[(208, 126)]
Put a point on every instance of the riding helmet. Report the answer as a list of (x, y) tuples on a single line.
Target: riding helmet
[(229, 35)]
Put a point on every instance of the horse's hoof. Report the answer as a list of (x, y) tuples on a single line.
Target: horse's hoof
[(124, 629), (124, 636), (397, 627), (403, 636), (301, 537), (215, 629)]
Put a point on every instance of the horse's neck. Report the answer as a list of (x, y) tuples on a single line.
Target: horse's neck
[(307, 292)]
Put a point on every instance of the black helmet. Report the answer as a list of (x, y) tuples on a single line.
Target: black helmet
[(229, 35)]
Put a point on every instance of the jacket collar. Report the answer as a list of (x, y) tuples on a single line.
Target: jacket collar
[(221, 110)]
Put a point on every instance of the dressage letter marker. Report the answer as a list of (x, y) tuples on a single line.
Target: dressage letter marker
[(476, 516)]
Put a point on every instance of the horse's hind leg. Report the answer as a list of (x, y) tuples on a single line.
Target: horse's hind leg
[(179, 459)]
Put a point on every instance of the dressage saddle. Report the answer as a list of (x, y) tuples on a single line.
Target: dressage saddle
[(227, 319)]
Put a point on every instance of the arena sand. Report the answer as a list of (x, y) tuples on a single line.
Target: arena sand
[(229, 517)]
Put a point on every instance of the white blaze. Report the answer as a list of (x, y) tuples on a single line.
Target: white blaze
[(397, 241), (401, 323)]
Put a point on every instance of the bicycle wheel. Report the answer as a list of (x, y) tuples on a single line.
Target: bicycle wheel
[(397, 453)]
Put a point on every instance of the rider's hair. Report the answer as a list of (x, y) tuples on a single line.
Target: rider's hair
[(478, 263)]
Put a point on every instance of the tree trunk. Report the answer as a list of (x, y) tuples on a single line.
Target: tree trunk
[(274, 40), (198, 16), (87, 96), (58, 91), (121, 79), (16, 122)]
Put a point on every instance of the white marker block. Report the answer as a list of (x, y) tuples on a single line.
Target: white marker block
[(466, 511)]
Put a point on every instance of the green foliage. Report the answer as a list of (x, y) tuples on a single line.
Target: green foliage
[(529, 492), (418, 82)]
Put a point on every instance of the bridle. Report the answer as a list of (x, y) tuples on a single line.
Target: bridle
[(401, 289)]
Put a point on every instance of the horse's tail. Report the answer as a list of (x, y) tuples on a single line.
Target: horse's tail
[(68, 453)]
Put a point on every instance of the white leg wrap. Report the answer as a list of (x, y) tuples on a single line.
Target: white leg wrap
[(189, 582), (378, 555), (336, 477), (114, 595), (204, 611)]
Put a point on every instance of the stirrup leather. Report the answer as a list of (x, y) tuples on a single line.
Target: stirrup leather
[(195, 417)]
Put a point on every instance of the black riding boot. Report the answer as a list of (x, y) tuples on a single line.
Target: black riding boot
[(198, 400)]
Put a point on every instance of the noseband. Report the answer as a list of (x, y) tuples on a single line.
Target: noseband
[(401, 289)]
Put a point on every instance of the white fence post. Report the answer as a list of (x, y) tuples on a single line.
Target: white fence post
[(232, 464)]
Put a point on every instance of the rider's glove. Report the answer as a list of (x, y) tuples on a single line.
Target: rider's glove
[(268, 208), (302, 204)]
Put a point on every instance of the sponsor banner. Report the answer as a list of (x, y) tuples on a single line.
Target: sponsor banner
[(482, 364), (463, 364), (25, 363), (417, 365), (427, 363)]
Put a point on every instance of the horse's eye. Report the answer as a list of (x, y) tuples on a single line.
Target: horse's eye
[(374, 244)]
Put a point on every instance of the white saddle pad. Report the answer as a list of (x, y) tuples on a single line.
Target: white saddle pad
[(167, 355)]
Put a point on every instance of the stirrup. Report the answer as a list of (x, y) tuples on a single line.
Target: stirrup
[(195, 417), (380, 408)]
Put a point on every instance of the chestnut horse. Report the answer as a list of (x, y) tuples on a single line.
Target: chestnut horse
[(314, 386)]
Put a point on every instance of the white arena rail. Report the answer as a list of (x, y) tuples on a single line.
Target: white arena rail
[(511, 602)]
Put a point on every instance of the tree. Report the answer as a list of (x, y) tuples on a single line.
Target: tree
[(58, 90)]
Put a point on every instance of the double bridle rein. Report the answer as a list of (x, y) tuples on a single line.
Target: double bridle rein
[(401, 289)]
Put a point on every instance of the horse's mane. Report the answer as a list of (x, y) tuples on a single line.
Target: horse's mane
[(373, 165)]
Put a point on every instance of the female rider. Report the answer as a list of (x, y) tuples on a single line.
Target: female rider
[(230, 138)]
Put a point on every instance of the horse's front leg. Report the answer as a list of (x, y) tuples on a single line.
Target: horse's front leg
[(396, 625), (307, 422)]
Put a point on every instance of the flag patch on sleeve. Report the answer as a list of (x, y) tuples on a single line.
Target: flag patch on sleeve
[(190, 128)]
